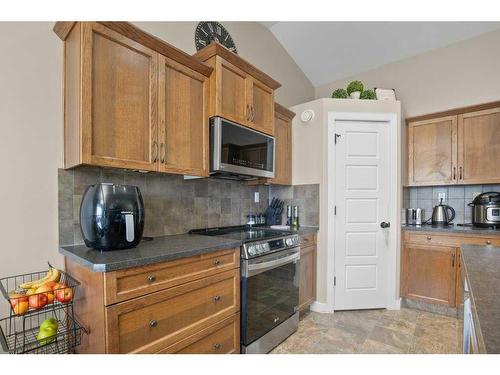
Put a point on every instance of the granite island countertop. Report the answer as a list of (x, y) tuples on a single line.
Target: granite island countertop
[(481, 267), (451, 229), (160, 249)]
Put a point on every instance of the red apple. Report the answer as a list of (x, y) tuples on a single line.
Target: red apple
[(15, 298), (47, 290), (64, 294), (37, 301)]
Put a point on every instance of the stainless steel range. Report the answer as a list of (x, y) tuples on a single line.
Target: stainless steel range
[(269, 285)]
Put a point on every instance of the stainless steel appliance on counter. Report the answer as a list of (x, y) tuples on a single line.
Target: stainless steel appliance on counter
[(270, 278), (486, 209), (440, 214), (415, 216), (238, 152)]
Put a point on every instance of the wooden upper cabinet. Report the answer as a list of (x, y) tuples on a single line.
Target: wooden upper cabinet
[(283, 146), (183, 119), (239, 91), (479, 147), (429, 273), (133, 101), (119, 82), (432, 151)]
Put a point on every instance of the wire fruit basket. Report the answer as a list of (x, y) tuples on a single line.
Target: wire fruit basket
[(45, 298)]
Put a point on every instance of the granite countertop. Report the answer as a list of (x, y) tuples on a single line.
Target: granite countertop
[(451, 229), (481, 267), (160, 249)]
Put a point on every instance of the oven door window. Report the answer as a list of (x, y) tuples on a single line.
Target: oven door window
[(246, 148), (268, 299)]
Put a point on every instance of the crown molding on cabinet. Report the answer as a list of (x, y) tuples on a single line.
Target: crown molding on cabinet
[(62, 29), (454, 112)]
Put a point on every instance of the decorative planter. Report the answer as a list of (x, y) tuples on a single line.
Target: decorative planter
[(355, 94)]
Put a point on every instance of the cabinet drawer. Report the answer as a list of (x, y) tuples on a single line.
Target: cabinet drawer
[(220, 338), (453, 240), (151, 323), (307, 239), (135, 282)]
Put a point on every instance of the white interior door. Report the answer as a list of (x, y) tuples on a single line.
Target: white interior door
[(362, 199)]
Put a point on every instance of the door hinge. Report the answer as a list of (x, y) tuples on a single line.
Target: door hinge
[(334, 280), (336, 137), (335, 210)]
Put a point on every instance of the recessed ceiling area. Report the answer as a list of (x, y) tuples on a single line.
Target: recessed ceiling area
[(328, 51)]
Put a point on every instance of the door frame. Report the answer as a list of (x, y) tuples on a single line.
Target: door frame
[(393, 268)]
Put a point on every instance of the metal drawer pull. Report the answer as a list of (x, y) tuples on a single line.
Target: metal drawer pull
[(429, 238), (217, 346), (217, 262), (216, 298), (151, 278), (153, 323), (276, 320), (488, 242)]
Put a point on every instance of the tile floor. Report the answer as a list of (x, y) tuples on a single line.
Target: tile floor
[(374, 331)]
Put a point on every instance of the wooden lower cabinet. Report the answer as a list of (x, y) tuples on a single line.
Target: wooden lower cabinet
[(430, 273), (193, 308), (307, 288), (431, 265)]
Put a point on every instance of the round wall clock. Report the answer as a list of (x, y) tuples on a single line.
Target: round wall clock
[(208, 31)]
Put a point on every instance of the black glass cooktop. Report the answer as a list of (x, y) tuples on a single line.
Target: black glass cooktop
[(242, 233)]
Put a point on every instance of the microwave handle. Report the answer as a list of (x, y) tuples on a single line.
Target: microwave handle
[(129, 226)]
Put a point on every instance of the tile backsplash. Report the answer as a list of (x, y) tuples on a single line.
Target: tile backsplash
[(175, 205), (456, 196), (306, 197)]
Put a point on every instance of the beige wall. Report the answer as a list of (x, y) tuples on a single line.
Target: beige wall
[(462, 74), (31, 126), (254, 43)]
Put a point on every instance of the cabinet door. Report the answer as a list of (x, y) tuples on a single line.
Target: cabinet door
[(261, 102), (432, 151), (183, 119), (307, 288), (119, 104), (283, 152), (429, 273), (479, 147), (230, 92)]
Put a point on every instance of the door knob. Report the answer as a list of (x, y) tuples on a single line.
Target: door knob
[(384, 225)]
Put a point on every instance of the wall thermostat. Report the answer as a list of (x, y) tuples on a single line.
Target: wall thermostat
[(307, 115)]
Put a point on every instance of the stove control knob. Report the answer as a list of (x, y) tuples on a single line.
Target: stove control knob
[(289, 242), (252, 250), (265, 247)]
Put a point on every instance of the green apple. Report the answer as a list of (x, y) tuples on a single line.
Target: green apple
[(51, 322)]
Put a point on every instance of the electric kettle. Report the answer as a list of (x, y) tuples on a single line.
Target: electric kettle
[(440, 214)]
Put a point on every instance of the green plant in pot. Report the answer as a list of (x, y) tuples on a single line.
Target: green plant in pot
[(368, 94), (339, 94), (354, 89)]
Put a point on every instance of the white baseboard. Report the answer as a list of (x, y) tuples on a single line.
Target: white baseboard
[(321, 307), (396, 305)]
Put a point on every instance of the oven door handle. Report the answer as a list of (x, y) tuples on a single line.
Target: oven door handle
[(256, 268)]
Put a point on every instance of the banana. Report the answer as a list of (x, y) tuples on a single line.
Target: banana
[(36, 283), (52, 275)]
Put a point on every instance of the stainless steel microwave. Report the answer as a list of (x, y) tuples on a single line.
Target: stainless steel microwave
[(239, 152)]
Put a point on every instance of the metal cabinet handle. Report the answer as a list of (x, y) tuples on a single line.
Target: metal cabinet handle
[(429, 238), (454, 173), (460, 173), (276, 319), (153, 323), (488, 242), (452, 260), (163, 152), (248, 112), (155, 151), (253, 113), (217, 262), (217, 346), (216, 298), (151, 278)]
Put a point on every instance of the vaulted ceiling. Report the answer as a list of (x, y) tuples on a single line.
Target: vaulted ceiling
[(328, 51)]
